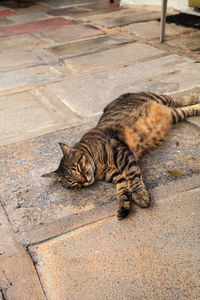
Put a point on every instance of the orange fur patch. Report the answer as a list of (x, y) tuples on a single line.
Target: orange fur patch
[(150, 129)]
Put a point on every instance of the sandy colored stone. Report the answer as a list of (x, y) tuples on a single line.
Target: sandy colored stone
[(89, 46), (27, 77), (172, 73), (151, 30), (18, 277), (69, 33), (112, 58), (151, 255)]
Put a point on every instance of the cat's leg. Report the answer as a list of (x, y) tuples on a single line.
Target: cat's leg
[(179, 102), (128, 166), (113, 174), (180, 114)]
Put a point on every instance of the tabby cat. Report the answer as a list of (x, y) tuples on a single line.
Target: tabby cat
[(130, 126)]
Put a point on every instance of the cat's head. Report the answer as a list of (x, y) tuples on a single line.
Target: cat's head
[(76, 169)]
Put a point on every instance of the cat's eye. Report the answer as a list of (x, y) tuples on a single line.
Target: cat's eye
[(73, 168)]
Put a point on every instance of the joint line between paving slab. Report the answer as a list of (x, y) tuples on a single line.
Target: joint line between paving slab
[(35, 264), (73, 230), (6, 214)]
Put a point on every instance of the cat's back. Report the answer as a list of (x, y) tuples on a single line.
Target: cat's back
[(124, 107)]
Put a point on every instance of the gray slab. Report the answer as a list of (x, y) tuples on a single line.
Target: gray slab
[(70, 11), (31, 201), (22, 42), (112, 58), (151, 30), (65, 3), (190, 42), (26, 114), (27, 77), (14, 58), (65, 34), (27, 18), (164, 75), (112, 21), (89, 46), (151, 255)]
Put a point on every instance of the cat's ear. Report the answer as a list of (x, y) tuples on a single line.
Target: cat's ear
[(66, 149), (52, 175)]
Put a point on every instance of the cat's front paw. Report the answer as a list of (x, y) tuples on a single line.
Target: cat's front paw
[(142, 198)]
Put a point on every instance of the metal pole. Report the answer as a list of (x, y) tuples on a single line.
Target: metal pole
[(163, 20)]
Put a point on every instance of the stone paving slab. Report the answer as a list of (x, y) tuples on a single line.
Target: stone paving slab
[(70, 11), (190, 42), (31, 114), (70, 33), (171, 73), (21, 19), (151, 255), (112, 58), (27, 77), (31, 201), (18, 277), (13, 58), (34, 26), (151, 30), (22, 42), (89, 46), (66, 3), (114, 19)]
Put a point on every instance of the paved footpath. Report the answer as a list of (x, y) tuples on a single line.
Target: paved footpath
[(61, 62)]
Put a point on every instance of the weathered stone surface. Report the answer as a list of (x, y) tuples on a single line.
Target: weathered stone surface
[(110, 20), (190, 42), (20, 19), (119, 56), (30, 200), (164, 75), (13, 58), (27, 77), (27, 114), (22, 42), (66, 11), (89, 46), (151, 30), (69, 33), (66, 3), (18, 277), (153, 255)]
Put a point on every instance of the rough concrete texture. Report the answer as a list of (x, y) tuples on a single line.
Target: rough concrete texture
[(73, 32), (18, 279), (24, 108), (89, 46), (28, 77), (120, 56), (189, 42), (31, 201), (151, 30), (170, 73), (22, 42), (151, 255), (112, 21)]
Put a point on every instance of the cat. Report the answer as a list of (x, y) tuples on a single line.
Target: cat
[(131, 125)]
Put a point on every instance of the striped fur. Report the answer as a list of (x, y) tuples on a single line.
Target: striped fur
[(130, 126)]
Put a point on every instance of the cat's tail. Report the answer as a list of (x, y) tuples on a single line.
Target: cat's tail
[(180, 114)]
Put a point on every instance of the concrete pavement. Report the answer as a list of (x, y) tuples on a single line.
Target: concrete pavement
[(61, 62)]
